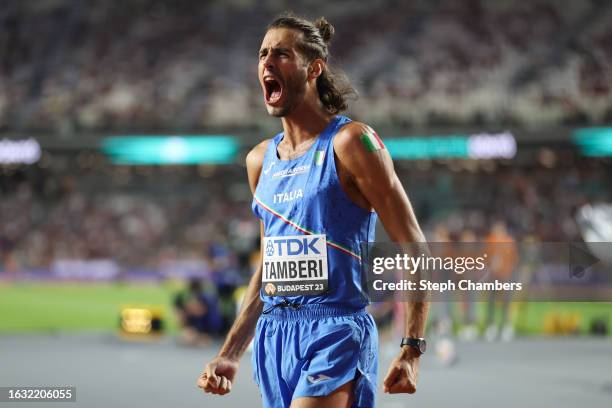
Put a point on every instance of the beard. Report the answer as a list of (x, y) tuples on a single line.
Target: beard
[(294, 89)]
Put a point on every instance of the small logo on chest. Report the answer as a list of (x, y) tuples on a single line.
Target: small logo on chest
[(269, 168), (288, 196), (294, 171)]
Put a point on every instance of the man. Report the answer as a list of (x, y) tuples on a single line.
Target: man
[(315, 185), (198, 314), (503, 259)]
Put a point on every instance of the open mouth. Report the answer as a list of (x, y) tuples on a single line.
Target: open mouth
[(273, 89)]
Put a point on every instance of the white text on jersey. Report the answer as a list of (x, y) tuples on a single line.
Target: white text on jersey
[(286, 197)]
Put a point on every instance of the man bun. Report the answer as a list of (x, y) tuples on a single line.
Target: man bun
[(325, 29)]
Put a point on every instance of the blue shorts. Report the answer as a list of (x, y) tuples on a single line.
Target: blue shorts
[(314, 350)]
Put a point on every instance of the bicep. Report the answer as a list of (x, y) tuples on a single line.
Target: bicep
[(254, 163), (253, 172), (374, 175), (258, 268), (396, 212), (383, 189)]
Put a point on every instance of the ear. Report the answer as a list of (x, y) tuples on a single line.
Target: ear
[(316, 68)]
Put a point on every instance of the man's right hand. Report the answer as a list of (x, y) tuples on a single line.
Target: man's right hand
[(218, 376)]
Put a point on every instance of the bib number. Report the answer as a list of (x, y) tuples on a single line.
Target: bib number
[(294, 265)]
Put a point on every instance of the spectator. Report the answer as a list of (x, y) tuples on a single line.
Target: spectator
[(198, 314)]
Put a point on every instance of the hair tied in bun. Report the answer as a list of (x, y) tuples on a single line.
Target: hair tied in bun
[(325, 29)]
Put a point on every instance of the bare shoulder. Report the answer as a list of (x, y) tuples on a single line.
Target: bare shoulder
[(255, 156), (254, 162), (356, 139)]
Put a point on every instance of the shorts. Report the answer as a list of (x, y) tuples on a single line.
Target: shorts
[(312, 351)]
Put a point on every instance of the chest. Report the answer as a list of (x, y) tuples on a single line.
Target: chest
[(284, 184)]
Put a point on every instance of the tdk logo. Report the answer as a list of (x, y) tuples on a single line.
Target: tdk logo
[(269, 249), (292, 246)]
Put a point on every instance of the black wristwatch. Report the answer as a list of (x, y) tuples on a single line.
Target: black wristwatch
[(419, 344)]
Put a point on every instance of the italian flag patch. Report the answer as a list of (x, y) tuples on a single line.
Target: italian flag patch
[(371, 141), (319, 157)]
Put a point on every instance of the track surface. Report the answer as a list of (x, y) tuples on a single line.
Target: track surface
[(111, 373)]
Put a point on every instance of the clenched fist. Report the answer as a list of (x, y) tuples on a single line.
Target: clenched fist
[(402, 375), (218, 376)]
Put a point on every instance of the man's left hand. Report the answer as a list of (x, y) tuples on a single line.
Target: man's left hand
[(402, 375)]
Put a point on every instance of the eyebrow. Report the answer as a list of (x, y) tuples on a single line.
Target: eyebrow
[(274, 49)]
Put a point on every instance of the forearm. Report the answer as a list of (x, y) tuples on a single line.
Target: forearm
[(416, 318), (409, 236), (416, 311), (243, 329)]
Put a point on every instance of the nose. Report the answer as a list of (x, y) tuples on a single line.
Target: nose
[(267, 62)]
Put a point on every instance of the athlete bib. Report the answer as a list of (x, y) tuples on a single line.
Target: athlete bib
[(295, 265)]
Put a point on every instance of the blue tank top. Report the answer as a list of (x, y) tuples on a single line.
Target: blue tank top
[(312, 230)]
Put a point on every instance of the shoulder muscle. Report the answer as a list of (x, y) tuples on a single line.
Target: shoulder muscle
[(361, 151), (254, 163), (358, 137)]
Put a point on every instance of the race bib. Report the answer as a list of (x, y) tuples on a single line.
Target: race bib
[(294, 265)]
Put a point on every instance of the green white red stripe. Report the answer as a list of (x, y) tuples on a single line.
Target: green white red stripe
[(319, 157), (305, 231), (371, 141)]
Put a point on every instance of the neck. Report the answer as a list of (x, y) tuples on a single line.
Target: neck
[(305, 122)]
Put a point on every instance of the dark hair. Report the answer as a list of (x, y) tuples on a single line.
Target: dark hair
[(333, 87)]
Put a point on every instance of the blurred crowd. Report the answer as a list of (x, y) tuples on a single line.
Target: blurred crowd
[(536, 201), (74, 65), (82, 207), (141, 217)]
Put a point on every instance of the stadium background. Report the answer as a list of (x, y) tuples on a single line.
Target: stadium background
[(123, 131)]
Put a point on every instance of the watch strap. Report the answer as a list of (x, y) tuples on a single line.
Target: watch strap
[(413, 342)]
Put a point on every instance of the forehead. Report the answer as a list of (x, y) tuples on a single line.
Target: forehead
[(280, 38)]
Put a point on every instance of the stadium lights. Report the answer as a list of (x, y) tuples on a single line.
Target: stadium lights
[(491, 146), (593, 142), (217, 149), (476, 146), (26, 151), (166, 150)]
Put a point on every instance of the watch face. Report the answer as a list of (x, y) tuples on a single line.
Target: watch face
[(422, 346)]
